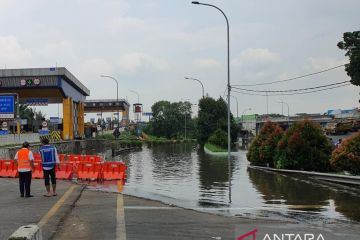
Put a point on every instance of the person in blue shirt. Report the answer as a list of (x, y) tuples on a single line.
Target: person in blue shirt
[(49, 159)]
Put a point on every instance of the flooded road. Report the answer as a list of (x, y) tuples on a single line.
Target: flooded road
[(183, 175)]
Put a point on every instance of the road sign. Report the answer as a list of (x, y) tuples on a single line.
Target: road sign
[(4, 132), (44, 124), (7, 107), (147, 114), (4, 124), (55, 120), (44, 132), (37, 101)]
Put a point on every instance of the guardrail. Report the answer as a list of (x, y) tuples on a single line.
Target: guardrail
[(330, 177)]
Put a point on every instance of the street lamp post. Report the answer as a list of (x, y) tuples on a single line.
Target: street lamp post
[(282, 102), (137, 95), (202, 86), (237, 106), (228, 85), (117, 95)]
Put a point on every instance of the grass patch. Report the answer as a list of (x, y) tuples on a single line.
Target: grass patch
[(214, 148)]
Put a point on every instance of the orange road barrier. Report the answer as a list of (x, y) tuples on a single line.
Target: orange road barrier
[(65, 171), (38, 171), (93, 158), (89, 170), (37, 156), (114, 171), (62, 157), (8, 168), (74, 158), (89, 167)]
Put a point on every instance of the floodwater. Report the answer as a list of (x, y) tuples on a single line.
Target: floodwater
[(185, 176)]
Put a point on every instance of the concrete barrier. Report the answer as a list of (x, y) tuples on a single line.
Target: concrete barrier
[(19, 139), (28, 232)]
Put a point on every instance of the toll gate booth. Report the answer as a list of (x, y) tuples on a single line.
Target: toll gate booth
[(109, 105), (42, 86)]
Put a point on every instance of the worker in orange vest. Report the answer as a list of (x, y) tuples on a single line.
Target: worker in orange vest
[(24, 159)]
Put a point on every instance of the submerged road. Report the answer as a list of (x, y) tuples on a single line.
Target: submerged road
[(82, 213)]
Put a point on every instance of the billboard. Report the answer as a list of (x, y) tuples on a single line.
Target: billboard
[(7, 107)]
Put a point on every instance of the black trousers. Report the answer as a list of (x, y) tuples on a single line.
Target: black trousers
[(49, 174), (25, 182)]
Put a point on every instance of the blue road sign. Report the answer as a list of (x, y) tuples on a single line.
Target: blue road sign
[(44, 132), (7, 106), (4, 132)]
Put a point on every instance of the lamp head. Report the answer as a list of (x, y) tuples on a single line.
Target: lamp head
[(195, 2)]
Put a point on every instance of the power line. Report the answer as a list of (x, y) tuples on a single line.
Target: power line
[(291, 79), (291, 90), (289, 94)]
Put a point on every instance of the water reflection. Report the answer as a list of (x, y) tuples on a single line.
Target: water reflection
[(348, 205), (172, 161), (296, 193), (184, 175), (214, 179)]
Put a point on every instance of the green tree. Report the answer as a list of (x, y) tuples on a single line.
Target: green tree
[(304, 147), (346, 157), (262, 150), (169, 119), (351, 44), (26, 112), (212, 116), (29, 113)]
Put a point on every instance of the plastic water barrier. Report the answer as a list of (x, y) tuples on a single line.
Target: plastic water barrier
[(8, 168), (114, 171), (86, 167)]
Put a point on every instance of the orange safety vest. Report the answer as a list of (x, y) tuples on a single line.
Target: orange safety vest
[(23, 159)]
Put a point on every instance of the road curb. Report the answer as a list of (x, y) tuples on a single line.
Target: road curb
[(344, 179)]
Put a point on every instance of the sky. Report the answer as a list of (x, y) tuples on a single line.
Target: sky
[(151, 45)]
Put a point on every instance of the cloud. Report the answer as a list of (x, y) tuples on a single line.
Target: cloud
[(12, 54), (207, 63), (323, 63), (61, 53), (256, 56), (136, 61), (95, 67), (126, 24)]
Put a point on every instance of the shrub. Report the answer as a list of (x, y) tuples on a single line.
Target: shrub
[(346, 157), (304, 147), (219, 138), (263, 149)]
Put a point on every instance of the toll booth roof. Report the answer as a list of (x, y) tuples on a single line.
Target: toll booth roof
[(47, 78), (106, 105)]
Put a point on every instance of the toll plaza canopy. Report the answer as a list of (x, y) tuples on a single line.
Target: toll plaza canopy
[(40, 86), (108, 105), (54, 84)]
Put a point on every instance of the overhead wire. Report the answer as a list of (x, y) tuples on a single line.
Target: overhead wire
[(291, 90), (294, 93), (290, 79)]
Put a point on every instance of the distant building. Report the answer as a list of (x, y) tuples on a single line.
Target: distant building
[(349, 113)]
